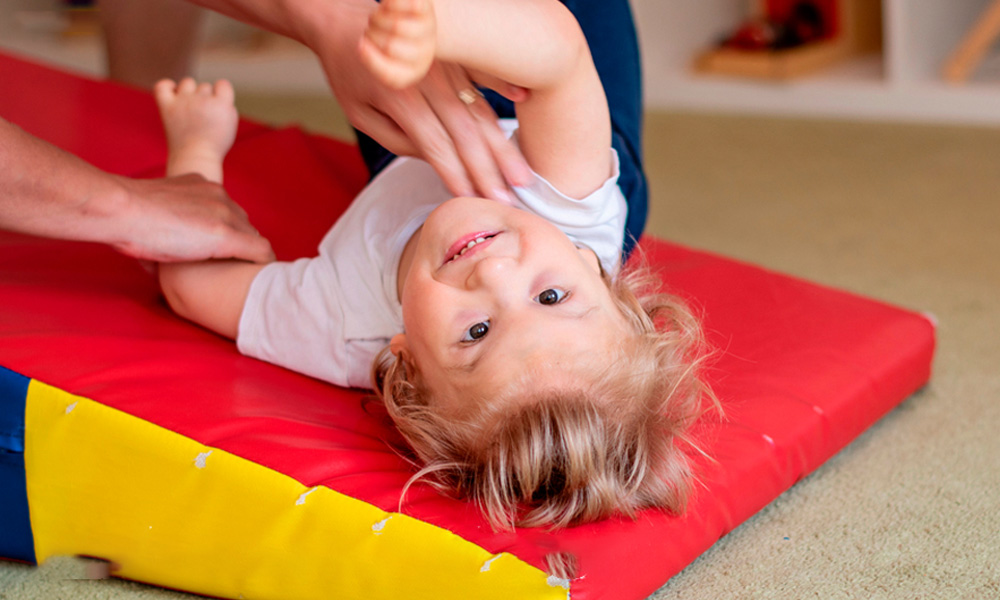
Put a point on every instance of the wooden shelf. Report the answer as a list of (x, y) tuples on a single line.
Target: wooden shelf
[(898, 79), (777, 65)]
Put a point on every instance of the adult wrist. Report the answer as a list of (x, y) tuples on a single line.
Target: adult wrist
[(320, 25), (109, 213)]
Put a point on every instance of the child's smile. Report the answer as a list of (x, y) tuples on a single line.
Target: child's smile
[(467, 243)]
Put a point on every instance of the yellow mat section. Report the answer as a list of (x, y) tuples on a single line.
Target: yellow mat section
[(172, 512)]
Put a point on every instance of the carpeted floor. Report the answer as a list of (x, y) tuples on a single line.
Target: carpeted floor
[(907, 214)]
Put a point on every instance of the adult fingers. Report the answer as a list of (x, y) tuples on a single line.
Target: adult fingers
[(458, 118), (246, 246), (237, 238), (514, 93), (422, 124), (490, 158), (381, 128), (505, 153)]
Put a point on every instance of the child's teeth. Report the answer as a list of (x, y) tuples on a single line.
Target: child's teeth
[(469, 245), (472, 243)]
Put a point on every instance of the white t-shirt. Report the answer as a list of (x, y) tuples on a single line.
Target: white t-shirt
[(329, 316)]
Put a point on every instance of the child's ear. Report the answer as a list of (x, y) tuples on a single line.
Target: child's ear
[(590, 257), (397, 345), (399, 349)]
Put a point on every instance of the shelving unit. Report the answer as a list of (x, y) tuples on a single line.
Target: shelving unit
[(903, 81)]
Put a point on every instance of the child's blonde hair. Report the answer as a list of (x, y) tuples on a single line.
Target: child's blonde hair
[(567, 456)]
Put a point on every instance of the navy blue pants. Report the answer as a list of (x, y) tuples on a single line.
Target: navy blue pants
[(610, 32)]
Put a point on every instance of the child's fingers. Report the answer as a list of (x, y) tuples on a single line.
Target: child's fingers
[(405, 52), (419, 9), (381, 39), (402, 40), (390, 71), (204, 89), (401, 24), (398, 43), (418, 6)]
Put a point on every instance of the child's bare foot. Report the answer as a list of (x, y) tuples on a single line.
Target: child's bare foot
[(400, 41), (200, 121)]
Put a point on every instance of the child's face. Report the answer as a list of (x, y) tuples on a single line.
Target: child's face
[(524, 299)]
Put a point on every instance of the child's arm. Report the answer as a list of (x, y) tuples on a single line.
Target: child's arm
[(565, 129), (200, 123), (210, 293)]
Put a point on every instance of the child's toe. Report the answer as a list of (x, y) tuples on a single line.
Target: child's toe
[(164, 90), (224, 90), (187, 86)]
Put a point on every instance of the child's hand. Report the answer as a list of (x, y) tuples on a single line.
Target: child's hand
[(399, 43)]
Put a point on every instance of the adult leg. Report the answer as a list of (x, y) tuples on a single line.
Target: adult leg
[(149, 40)]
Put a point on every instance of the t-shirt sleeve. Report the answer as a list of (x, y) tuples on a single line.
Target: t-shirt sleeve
[(596, 221), (293, 318)]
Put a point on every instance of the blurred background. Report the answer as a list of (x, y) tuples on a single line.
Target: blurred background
[(897, 60)]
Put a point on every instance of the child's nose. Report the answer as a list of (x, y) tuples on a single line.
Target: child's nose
[(493, 273)]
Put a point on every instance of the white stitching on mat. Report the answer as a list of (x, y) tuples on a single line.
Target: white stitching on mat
[(302, 496), (378, 527), (488, 563), (202, 459)]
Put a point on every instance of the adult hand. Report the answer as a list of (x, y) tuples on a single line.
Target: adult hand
[(461, 141), (172, 219), (185, 218)]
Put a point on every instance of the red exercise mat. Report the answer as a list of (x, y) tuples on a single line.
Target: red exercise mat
[(802, 369)]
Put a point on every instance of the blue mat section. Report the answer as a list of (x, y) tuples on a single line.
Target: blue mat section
[(15, 527)]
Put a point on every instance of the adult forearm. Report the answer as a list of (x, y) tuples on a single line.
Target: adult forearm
[(48, 192), (306, 21)]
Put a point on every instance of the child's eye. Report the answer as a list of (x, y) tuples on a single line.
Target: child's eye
[(476, 332), (551, 296)]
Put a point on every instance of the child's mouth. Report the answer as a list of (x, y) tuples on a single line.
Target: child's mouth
[(467, 243)]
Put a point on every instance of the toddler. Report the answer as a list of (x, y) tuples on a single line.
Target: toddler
[(527, 372)]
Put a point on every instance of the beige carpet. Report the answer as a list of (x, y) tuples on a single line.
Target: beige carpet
[(906, 214)]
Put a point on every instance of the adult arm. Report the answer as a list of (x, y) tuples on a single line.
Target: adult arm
[(47, 192), (428, 120), (565, 126)]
